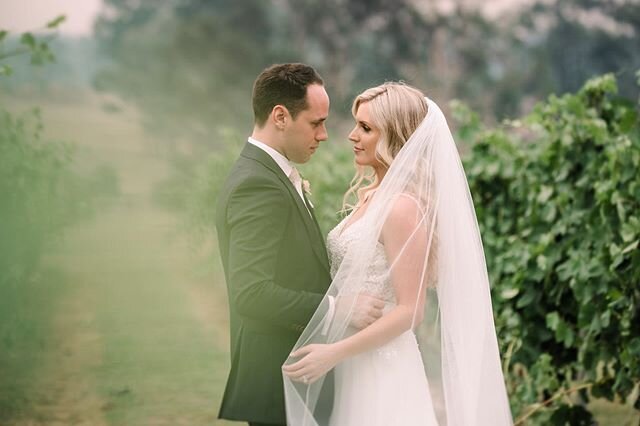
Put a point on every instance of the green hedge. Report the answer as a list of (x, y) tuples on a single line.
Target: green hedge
[(557, 196)]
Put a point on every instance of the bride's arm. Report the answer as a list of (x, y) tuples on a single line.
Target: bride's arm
[(405, 240)]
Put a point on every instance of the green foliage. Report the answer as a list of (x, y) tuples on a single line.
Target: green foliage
[(40, 195), (37, 47), (557, 197), (39, 191), (37, 202), (192, 186), (33, 177), (40, 53), (55, 23)]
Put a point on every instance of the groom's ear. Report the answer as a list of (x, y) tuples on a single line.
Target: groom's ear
[(279, 116)]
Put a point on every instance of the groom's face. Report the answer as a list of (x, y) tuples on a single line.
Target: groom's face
[(304, 134)]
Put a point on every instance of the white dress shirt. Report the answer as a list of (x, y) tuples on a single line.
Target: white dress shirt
[(289, 170)]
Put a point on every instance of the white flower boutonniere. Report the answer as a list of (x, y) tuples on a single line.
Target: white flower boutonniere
[(306, 187)]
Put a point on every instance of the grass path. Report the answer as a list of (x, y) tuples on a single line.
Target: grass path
[(138, 338), (153, 360)]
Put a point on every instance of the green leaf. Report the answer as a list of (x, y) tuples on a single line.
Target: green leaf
[(28, 39), (614, 250), (509, 293), (564, 334), (3, 34), (628, 232), (630, 247), (54, 23), (553, 319), (596, 324), (545, 193), (605, 319), (528, 297), (6, 70), (601, 85), (549, 212), (542, 262), (628, 119)]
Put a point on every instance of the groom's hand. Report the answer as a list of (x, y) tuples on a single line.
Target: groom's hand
[(366, 310)]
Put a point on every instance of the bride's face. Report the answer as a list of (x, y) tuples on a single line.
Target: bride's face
[(365, 137)]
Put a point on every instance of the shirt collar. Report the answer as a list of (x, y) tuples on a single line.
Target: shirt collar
[(280, 159)]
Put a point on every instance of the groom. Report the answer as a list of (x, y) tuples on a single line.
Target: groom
[(272, 249)]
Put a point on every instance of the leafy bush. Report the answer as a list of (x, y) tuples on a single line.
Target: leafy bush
[(34, 201), (557, 196), (34, 175), (40, 195)]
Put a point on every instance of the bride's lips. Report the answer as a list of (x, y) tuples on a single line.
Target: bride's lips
[(357, 150)]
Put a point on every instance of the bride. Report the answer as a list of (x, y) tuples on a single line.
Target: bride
[(412, 240)]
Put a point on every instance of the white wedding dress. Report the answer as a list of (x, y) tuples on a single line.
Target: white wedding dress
[(386, 386), (454, 377)]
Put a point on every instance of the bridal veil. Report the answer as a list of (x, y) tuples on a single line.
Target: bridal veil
[(453, 318)]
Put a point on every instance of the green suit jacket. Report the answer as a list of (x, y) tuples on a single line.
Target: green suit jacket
[(277, 272)]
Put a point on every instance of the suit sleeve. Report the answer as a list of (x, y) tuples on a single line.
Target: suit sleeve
[(257, 215)]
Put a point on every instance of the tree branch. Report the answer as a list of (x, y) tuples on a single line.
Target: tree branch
[(520, 420)]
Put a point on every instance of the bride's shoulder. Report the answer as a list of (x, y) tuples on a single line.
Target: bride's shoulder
[(405, 211), (406, 203)]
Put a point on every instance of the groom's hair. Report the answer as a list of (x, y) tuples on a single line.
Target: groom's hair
[(282, 84)]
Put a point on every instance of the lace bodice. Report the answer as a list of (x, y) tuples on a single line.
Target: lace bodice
[(377, 279)]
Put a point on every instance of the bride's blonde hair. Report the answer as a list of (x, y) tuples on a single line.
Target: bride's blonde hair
[(397, 109)]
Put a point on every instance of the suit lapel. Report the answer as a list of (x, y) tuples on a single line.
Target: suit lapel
[(310, 222), (317, 227)]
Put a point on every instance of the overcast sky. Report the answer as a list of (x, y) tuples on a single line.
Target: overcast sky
[(27, 15)]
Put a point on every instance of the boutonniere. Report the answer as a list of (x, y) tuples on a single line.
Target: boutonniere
[(306, 187)]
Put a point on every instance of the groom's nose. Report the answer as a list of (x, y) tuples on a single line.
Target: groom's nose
[(322, 134)]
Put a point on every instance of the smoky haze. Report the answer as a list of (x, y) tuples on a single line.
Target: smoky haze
[(113, 306)]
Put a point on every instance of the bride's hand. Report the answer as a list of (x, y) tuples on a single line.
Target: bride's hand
[(318, 360)]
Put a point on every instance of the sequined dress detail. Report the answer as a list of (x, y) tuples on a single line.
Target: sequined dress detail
[(386, 386)]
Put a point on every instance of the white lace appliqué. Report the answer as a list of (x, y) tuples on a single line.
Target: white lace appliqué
[(377, 279)]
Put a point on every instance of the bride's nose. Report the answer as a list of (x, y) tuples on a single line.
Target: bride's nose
[(353, 136)]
